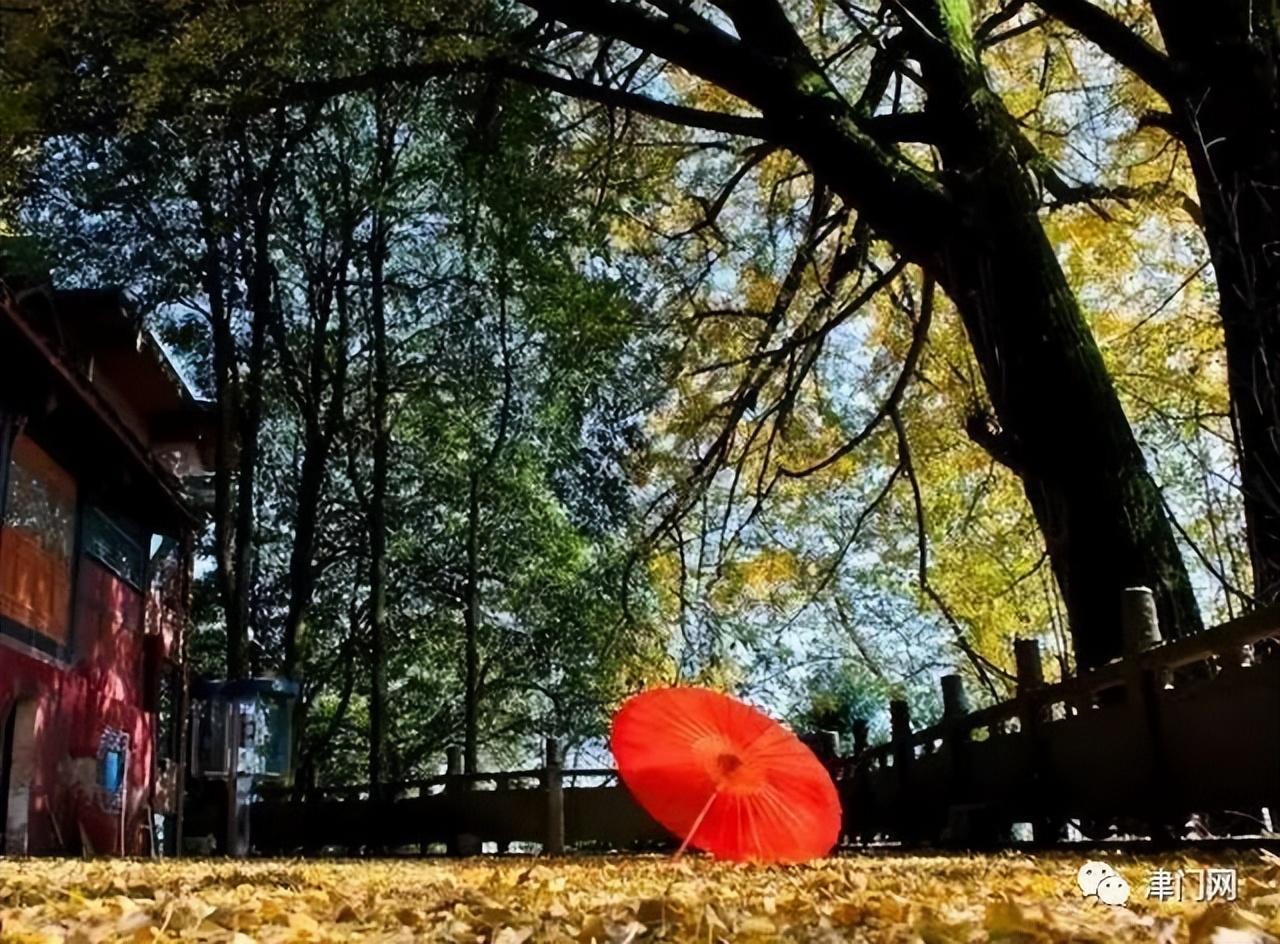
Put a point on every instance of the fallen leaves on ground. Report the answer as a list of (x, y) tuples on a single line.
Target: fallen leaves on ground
[(1014, 898)]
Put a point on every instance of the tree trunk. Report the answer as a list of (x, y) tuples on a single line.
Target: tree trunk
[(259, 279), (318, 745), (226, 395), (378, 509), (1227, 112), (1061, 427), (302, 578), (324, 384), (379, 248), (471, 629), (1062, 430), (975, 228)]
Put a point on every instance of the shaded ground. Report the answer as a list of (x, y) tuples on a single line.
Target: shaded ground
[(936, 900)]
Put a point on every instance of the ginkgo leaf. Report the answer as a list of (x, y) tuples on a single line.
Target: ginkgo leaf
[(883, 898)]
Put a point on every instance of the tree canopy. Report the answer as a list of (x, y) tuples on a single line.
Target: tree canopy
[(811, 349)]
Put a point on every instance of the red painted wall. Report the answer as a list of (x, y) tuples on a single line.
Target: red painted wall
[(102, 688)]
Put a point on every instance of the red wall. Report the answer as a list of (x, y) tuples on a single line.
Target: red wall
[(102, 688)]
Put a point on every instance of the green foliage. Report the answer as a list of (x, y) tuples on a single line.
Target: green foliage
[(839, 696), (577, 297), (515, 363)]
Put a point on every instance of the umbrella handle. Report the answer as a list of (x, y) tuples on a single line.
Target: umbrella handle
[(696, 823)]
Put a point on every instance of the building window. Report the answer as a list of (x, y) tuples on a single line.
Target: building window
[(114, 548), (37, 543)]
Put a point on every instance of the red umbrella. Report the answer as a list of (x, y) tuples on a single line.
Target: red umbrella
[(725, 777)]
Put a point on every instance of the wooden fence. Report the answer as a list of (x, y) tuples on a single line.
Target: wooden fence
[(1187, 727), (1191, 726), (552, 807)]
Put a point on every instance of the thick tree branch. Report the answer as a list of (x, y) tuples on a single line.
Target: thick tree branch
[(914, 126), (1117, 40), (419, 72), (998, 19), (800, 109), (985, 432), (1012, 32), (746, 126), (806, 115), (695, 44)]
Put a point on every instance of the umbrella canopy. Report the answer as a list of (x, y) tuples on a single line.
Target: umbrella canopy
[(725, 777)]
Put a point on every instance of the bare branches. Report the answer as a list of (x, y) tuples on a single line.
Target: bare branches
[(998, 19), (1228, 586), (920, 334), (1065, 193), (847, 624), (983, 667), (856, 531), (1168, 299), (713, 209), (819, 334)]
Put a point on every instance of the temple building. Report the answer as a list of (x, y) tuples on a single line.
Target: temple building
[(98, 434)]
